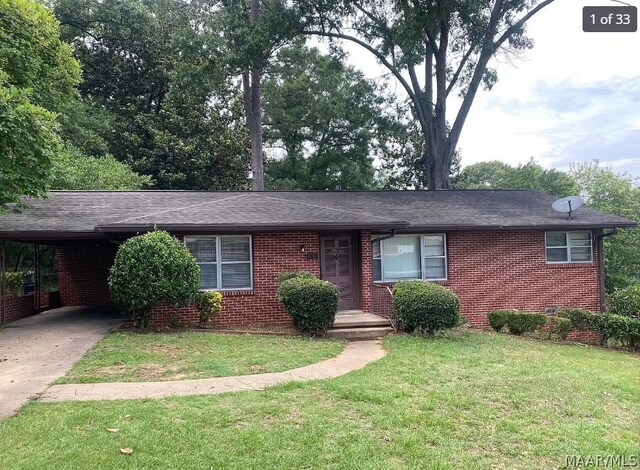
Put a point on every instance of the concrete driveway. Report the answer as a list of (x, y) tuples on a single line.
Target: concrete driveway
[(37, 350)]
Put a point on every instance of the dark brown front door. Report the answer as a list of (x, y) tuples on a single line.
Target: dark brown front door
[(337, 267)]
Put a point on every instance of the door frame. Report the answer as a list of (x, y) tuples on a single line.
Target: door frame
[(356, 265)]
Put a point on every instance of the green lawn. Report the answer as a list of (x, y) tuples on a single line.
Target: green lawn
[(134, 357), (465, 401)]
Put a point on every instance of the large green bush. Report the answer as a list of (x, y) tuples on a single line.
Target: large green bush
[(581, 319), (425, 306), (312, 303), (619, 328), (625, 302), (559, 327), (149, 269)]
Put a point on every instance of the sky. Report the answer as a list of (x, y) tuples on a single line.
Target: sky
[(574, 97)]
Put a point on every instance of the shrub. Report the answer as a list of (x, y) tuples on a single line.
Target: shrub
[(559, 326), (209, 305), (625, 302), (625, 330), (498, 319), (311, 303), (524, 322), (425, 306), (581, 319), (286, 275), (149, 269), (14, 282)]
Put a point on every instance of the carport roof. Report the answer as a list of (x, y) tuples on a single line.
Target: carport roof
[(91, 214)]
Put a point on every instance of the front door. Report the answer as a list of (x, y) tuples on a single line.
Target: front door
[(337, 267)]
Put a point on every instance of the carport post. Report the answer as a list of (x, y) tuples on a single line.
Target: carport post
[(36, 296), (3, 262)]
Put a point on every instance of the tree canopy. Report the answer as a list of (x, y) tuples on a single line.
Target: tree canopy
[(496, 174), (157, 83), (323, 118), (37, 77), (432, 48)]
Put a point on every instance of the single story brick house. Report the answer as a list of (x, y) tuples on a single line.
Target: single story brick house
[(493, 248)]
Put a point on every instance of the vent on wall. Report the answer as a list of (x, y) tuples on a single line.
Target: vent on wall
[(550, 310)]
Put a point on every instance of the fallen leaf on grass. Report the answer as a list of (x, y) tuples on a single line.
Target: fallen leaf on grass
[(127, 451), (112, 430)]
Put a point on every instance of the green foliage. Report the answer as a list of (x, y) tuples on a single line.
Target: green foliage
[(498, 319), (13, 282), (74, 171), (326, 116), (149, 269), (559, 327), (38, 75), (286, 275), (518, 322), (580, 318), (311, 303), (156, 75), (209, 305), (625, 302), (618, 194), (499, 175), (425, 306), (618, 328), (28, 144)]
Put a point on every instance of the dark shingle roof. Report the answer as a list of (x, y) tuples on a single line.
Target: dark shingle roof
[(68, 213)]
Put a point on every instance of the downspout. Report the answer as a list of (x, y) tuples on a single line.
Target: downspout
[(599, 239), (36, 296)]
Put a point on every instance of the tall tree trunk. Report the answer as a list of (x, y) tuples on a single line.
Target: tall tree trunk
[(253, 108)]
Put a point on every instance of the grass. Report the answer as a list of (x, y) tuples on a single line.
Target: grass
[(464, 401), (134, 357)]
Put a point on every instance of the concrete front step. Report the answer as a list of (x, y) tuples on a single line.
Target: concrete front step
[(360, 333), (349, 322)]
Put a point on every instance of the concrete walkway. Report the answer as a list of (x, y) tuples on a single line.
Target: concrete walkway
[(36, 350), (355, 356)]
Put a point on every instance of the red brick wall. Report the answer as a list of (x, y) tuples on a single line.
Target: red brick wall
[(491, 270), (83, 271), (23, 306), (272, 253), (366, 274)]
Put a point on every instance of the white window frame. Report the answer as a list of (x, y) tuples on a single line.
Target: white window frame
[(568, 247), (219, 261), (422, 258)]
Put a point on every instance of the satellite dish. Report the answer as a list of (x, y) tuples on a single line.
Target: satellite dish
[(567, 204)]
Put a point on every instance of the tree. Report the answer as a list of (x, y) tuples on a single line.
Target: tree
[(618, 194), (37, 76), (158, 82), (499, 175), (452, 43), (324, 119), (75, 171)]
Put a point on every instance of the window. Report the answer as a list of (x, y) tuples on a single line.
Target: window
[(568, 247), (225, 262), (410, 257)]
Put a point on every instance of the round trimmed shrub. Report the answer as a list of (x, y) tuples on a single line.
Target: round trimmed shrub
[(425, 306), (149, 269), (209, 305), (498, 319), (311, 303), (625, 302), (581, 319), (286, 275)]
